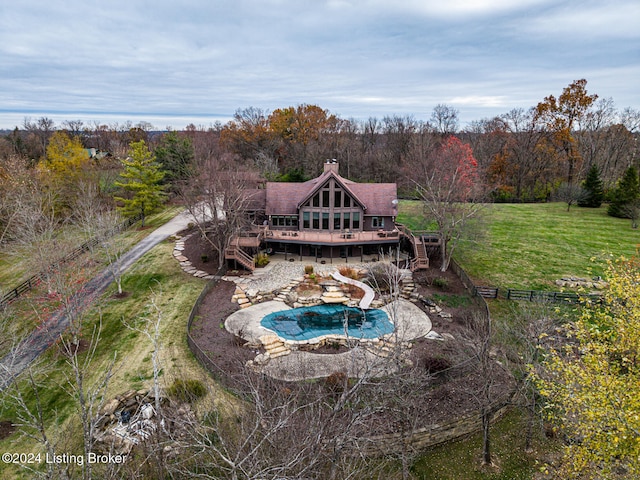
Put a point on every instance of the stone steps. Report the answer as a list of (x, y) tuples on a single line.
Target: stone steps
[(274, 347)]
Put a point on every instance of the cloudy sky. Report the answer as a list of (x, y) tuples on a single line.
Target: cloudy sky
[(171, 63)]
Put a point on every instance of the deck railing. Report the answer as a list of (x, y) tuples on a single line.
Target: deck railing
[(237, 254), (342, 237)]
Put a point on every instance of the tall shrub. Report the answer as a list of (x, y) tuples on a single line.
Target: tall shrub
[(627, 192), (593, 189)]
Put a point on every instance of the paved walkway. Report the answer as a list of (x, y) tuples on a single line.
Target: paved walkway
[(16, 361)]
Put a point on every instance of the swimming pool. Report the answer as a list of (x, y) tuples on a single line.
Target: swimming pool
[(306, 323)]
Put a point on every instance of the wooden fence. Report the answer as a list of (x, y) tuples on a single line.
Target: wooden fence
[(207, 363), (544, 296), (36, 279), (514, 294)]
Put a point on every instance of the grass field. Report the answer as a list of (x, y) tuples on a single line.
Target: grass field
[(529, 246), (461, 459), (157, 275), (524, 246), (15, 264)]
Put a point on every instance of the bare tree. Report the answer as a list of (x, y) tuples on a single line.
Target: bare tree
[(88, 209), (632, 211), (88, 390), (15, 182), (570, 194), (32, 417), (36, 231), (445, 119), (74, 127), (41, 129), (109, 224), (151, 330), (218, 197), (478, 356), (532, 328), (398, 132), (447, 183)]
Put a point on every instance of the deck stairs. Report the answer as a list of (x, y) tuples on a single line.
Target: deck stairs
[(236, 253), (420, 259)]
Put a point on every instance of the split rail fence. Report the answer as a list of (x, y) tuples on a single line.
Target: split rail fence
[(34, 280)]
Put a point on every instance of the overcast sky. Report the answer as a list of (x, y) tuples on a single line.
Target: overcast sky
[(171, 63)]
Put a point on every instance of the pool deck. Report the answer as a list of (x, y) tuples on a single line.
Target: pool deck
[(410, 321)]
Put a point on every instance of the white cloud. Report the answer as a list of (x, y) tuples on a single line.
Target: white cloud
[(460, 9), (356, 58), (478, 101), (588, 20)]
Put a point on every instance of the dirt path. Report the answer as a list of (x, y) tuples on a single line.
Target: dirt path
[(16, 361)]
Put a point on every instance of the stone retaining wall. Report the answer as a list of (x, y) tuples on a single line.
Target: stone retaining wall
[(425, 437)]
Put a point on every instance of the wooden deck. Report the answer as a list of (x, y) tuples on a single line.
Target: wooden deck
[(331, 238), (420, 243)]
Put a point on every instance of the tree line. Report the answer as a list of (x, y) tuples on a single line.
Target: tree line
[(544, 153)]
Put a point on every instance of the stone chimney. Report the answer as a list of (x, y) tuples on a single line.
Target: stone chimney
[(332, 166)]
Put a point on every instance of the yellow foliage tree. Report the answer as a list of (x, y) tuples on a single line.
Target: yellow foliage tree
[(592, 385), (66, 157)]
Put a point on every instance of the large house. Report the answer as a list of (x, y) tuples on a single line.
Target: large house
[(326, 218)]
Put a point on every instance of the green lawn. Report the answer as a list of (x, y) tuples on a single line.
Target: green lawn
[(529, 246), (156, 273), (461, 459), (15, 262), (526, 246)]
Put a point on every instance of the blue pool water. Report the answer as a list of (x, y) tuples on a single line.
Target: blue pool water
[(306, 323)]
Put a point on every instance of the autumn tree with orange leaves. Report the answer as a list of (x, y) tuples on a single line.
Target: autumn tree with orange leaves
[(560, 117), (301, 131), (250, 136)]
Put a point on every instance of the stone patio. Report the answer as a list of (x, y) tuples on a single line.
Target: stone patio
[(285, 360)]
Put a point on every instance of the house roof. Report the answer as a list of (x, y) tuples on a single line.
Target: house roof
[(318, 182), (284, 198), (255, 198)]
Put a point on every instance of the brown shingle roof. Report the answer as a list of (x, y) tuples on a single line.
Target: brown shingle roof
[(378, 198), (255, 198), (283, 198)]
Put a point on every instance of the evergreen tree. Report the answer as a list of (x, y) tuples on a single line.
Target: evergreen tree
[(142, 179), (627, 192), (593, 189), (175, 154)]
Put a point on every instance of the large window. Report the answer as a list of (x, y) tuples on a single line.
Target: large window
[(284, 220), (346, 221), (336, 221), (331, 209)]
